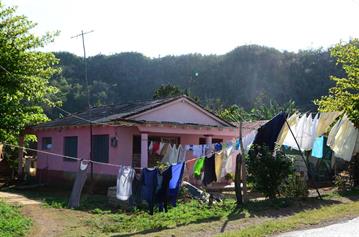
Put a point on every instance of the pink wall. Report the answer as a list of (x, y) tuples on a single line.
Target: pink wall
[(180, 111), (122, 154)]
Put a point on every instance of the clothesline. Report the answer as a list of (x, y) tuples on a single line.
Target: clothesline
[(68, 157), (63, 156)]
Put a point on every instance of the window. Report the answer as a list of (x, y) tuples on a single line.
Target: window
[(70, 147), (46, 143), (202, 140), (100, 148)]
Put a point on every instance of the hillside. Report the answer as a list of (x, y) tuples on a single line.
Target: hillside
[(238, 77)]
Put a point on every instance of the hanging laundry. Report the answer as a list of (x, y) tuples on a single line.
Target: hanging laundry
[(228, 150), (296, 126), (226, 154), (320, 148), (224, 164), (173, 157), (267, 134), (305, 135), (198, 166), (79, 183), (218, 164), (161, 146), (248, 139), (314, 127), (304, 132), (292, 121), (170, 152), (188, 147), (189, 168), (148, 186), (155, 147), (181, 154), (150, 147), (209, 170), (207, 149), (230, 167), (345, 140), (175, 182), (324, 122), (333, 132), (162, 192), (124, 182), (165, 149), (218, 147), (198, 150)]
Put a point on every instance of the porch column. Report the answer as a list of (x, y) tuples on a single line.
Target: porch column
[(144, 150), (208, 142), (20, 156), (209, 139)]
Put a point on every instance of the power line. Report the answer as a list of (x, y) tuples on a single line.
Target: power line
[(82, 34), (86, 120), (59, 155), (65, 111)]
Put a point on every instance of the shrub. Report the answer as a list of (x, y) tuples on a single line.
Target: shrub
[(268, 172), (294, 187)]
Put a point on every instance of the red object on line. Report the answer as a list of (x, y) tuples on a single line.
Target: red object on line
[(155, 147)]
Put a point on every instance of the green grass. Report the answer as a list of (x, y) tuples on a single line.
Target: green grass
[(140, 220), (299, 220), (105, 220), (12, 223), (185, 213)]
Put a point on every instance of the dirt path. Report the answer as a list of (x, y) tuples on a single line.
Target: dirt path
[(47, 222), (42, 218)]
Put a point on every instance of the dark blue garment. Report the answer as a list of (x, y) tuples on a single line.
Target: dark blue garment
[(149, 185), (209, 170), (267, 134), (175, 182), (162, 193)]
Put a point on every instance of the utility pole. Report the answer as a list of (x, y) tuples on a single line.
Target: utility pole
[(82, 34)]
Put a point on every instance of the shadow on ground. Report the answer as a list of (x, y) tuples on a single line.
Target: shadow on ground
[(264, 208)]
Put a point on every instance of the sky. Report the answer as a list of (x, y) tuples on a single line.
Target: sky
[(174, 27)]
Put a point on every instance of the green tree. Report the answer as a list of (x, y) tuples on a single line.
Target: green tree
[(24, 74), (260, 111), (344, 96), (165, 91)]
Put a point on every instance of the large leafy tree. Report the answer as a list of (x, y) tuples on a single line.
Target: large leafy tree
[(260, 111), (24, 74), (344, 96)]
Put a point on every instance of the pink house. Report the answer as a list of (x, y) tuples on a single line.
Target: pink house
[(121, 135)]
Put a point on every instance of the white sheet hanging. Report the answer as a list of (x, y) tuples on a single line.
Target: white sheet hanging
[(345, 140), (248, 140), (325, 120)]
